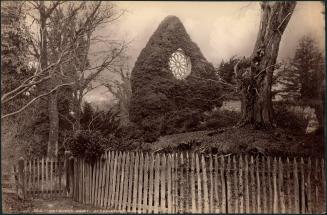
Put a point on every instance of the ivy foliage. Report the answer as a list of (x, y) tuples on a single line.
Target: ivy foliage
[(15, 39), (156, 92), (88, 144)]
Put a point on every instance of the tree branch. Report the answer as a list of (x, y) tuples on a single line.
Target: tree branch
[(54, 6), (104, 65), (92, 88), (257, 75), (218, 81), (33, 100), (93, 118), (35, 4)]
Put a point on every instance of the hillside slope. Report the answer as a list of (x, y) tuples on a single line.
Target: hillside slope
[(231, 140)]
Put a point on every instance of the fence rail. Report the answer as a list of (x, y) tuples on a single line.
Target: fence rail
[(181, 182), (42, 178)]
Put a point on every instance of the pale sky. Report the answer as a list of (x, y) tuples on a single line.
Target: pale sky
[(220, 29)]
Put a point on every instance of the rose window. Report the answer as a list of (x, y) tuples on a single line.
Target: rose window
[(180, 64)]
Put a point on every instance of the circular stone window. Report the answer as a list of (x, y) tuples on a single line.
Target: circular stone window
[(180, 64)]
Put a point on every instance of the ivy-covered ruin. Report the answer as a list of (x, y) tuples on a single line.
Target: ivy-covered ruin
[(157, 93)]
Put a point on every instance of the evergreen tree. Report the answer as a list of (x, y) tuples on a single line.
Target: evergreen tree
[(287, 82), (303, 78), (309, 60), (309, 63), (226, 70)]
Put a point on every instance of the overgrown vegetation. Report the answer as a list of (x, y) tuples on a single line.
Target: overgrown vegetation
[(14, 53), (99, 131), (150, 103), (88, 145), (156, 92), (288, 120), (302, 78), (220, 119), (181, 121)]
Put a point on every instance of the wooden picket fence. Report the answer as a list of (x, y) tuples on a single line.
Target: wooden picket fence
[(41, 178), (181, 182)]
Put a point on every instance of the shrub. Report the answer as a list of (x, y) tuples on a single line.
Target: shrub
[(181, 121), (151, 129), (130, 131), (221, 118), (88, 144), (286, 119), (107, 122)]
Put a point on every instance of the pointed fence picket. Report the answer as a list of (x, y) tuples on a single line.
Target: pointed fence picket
[(182, 182), (41, 178)]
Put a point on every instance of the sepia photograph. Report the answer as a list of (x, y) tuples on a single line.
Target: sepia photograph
[(174, 107)]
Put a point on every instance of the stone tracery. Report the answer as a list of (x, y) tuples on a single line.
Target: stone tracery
[(180, 64)]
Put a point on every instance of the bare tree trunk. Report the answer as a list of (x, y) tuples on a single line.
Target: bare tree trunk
[(50, 84), (75, 104), (54, 125), (254, 75), (78, 107), (44, 36)]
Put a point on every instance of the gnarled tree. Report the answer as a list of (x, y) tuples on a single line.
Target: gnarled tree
[(254, 74), (60, 36)]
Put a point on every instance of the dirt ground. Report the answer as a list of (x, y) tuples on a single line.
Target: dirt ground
[(55, 205), (11, 204)]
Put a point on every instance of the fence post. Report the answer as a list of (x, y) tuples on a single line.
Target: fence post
[(275, 189), (21, 177), (67, 171), (70, 173), (16, 175)]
